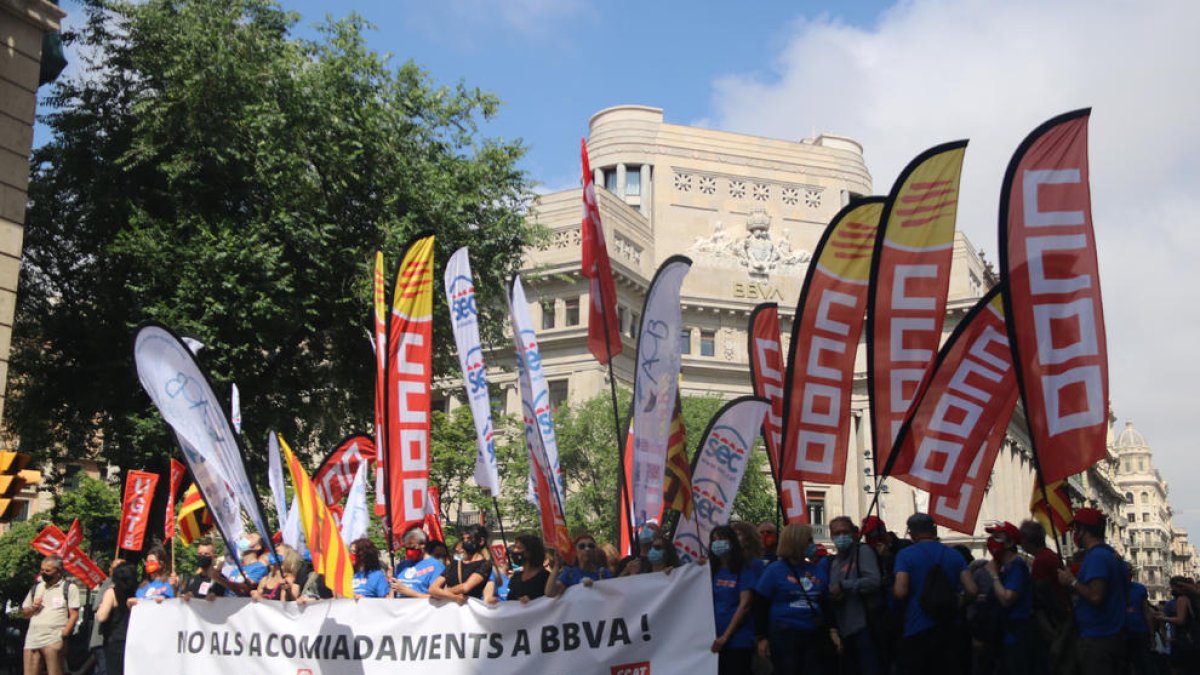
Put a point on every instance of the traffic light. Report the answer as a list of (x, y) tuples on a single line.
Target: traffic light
[(11, 482)]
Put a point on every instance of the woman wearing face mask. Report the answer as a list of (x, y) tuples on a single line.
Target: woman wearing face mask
[(155, 587), (733, 589), (789, 622), (644, 539), (370, 581), (465, 577), (589, 567), (752, 547), (660, 557), (854, 583), (529, 554)]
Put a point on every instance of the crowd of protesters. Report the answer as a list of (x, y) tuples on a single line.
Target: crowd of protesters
[(878, 604)]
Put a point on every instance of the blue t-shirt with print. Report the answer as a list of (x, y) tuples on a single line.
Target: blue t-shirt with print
[(373, 584), (419, 576), (1107, 618), (500, 584), (572, 575), (1015, 577), (255, 572), (155, 589), (917, 560), (727, 595), (795, 592)]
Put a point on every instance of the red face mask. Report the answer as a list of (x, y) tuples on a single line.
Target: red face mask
[(353, 559), (152, 567), (769, 539), (413, 554), (994, 547)]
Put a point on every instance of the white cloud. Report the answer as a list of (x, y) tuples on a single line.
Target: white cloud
[(935, 70)]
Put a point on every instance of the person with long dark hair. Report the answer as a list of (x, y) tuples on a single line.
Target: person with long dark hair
[(370, 581), (733, 591), (465, 578), (529, 582), (113, 615)]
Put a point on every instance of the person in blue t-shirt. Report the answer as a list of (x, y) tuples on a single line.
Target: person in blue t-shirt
[(590, 566), (789, 621), (1024, 652), (733, 590), (156, 586), (413, 548), (413, 580), (1100, 595), (1138, 620), (370, 581), (928, 645)]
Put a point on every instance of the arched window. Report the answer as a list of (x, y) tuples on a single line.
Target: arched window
[(1145, 497), (1129, 497)]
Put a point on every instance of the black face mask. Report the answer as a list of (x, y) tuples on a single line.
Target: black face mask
[(204, 561), (470, 546), (49, 578), (517, 558)]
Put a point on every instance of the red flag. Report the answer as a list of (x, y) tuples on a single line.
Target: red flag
[(135, 508), (595, 265), (961, 402), (625, 534), (177, 473), (959, 512), (52, 541), (72, 539), (766, 375), (1055, 315), (825, 332), (336, 473), (381, 351), (410, 369), (910, 277), (433, 519)]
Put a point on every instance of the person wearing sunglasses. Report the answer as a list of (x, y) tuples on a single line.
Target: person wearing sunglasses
[(590, 566)]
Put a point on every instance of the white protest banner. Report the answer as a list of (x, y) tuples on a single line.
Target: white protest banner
[(717, 471), (460, 297), (648, 624), (355, 518)]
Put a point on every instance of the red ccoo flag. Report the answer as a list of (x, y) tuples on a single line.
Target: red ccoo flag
[(604, 336)]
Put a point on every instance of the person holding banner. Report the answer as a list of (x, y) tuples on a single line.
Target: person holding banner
[(155, 586), (592, 567), (529, 553), (113, 616), (789, 622), (199, 585), (280, 582), (660, 556), (254, 567), (370, 581), (733, 591), (465, 578), (52, 607), (415, 576)]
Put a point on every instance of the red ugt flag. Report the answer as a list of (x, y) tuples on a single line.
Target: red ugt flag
[(602, 314), (176, 479)]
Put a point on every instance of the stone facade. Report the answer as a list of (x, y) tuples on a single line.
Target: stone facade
[(748, 211), (22, 23)]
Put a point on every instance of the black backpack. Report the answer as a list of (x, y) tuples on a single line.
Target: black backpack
[(938, 598)]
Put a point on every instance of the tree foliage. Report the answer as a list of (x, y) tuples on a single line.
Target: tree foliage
[(212, 171)]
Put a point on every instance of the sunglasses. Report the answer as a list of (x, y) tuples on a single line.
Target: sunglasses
[(585, 544)]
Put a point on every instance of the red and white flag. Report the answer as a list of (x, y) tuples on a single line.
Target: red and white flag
[(52, 541), (72, 539), (914, 248), (766, 376), (1055, 314), (381, 350), (602, 315), (178, 471), (960, 511), (135, 508)]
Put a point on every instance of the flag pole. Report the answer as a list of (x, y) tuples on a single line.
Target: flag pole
[(1041, 479), (500, 522), (624, 492)]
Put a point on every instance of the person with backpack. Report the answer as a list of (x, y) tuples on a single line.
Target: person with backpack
[(855, 581), (52, 607), (930, 578), (1100, 592)]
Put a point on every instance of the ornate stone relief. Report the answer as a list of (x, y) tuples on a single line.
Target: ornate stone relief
[(627, 249), (741, 188), (759, 252), (567, 238)]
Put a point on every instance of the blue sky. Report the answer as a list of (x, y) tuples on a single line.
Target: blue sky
[(898, 77)]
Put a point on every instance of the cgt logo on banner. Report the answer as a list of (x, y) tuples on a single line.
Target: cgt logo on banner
[(631, 626)]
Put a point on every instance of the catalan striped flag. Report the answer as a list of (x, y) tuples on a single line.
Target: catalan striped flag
[(1060, 506), (677, 493), (194, 519), (330, 556)]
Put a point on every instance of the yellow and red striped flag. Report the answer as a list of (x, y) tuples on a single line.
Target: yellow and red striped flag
[(677, 492), (330, 556), (1060, 506), (194, 519)]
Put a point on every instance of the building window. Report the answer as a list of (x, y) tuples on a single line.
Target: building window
[(558, 393), (74, 474), (633, 181), (547, 314), (1125, 465), (708, 343), (635, 325), (497, 399), (1141, 464), (685, 341), (1128, 497), (1145, 497), (1145, 516), (572, 311), (610, 180), (816, 507), (1132, 516), (623, 320)]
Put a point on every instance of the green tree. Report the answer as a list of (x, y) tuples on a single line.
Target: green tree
[(211, 171), (18, 561)]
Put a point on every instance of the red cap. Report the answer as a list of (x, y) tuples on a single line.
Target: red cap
[(1005, 532), (1089, 516), (822, 551), (277, 538), (873, 529)]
